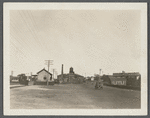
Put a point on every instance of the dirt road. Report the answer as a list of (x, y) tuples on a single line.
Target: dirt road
[(74, 96)]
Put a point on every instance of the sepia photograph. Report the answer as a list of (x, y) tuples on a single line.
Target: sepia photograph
[(75, 59)]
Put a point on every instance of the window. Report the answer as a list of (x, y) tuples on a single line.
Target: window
[(137, 78), (44, 78)]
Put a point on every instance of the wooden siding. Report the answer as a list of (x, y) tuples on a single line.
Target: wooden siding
[(43, 74)]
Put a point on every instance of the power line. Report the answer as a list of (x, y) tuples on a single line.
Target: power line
[(53, 73), (48, 63), (12, 73)]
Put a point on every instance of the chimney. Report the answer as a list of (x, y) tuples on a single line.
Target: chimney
[(62, 73), (62, 69)]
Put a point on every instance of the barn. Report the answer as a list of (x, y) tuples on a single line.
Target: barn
[(44, 76)]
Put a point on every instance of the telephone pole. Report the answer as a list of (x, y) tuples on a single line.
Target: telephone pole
[(12, 73), (62, 72), (48, 63), (100, 71), (56, 74), (53, 73)]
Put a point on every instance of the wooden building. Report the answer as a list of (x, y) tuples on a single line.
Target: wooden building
[(44, 76)]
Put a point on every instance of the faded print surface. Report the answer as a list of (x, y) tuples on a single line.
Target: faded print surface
[(88, 60), (84, 39)]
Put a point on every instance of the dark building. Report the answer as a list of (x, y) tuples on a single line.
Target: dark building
[(111, 80), (126, 79), (70, 77), (123, 74), (71, 71)]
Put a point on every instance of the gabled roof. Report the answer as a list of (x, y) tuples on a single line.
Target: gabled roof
[(44, 70)]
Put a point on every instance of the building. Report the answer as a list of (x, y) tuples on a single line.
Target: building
[(111, 80), (123, 74), (14, 78), (44, 76), (126, 79), (70, 77), (34, 76), (134, 80), (92, 78)]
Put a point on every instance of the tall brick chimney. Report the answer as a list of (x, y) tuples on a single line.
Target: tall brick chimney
[(62, 72)]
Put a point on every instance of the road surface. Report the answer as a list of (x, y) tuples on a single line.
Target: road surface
[(73, 96)]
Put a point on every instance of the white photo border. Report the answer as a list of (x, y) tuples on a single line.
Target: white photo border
[(74, 6)]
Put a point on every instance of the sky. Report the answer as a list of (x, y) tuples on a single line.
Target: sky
[(87, 40)]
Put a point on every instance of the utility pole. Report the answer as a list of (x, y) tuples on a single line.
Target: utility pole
[(12, 73), (48, 63), (53, 73), (62, 72), (99, 73), (56, 74)]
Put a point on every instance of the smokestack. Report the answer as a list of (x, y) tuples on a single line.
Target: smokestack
[(62, 72)]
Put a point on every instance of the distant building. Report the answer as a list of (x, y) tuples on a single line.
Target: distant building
[(111, 80), (44, 75), (127, 79), (70, 77), (92, 78), (134, 79), (35, 77), (14, 78), (123, 74)]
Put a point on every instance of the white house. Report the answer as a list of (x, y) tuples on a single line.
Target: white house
[(44, 75)]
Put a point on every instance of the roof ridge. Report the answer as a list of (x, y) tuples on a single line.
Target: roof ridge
[(44, 70)]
